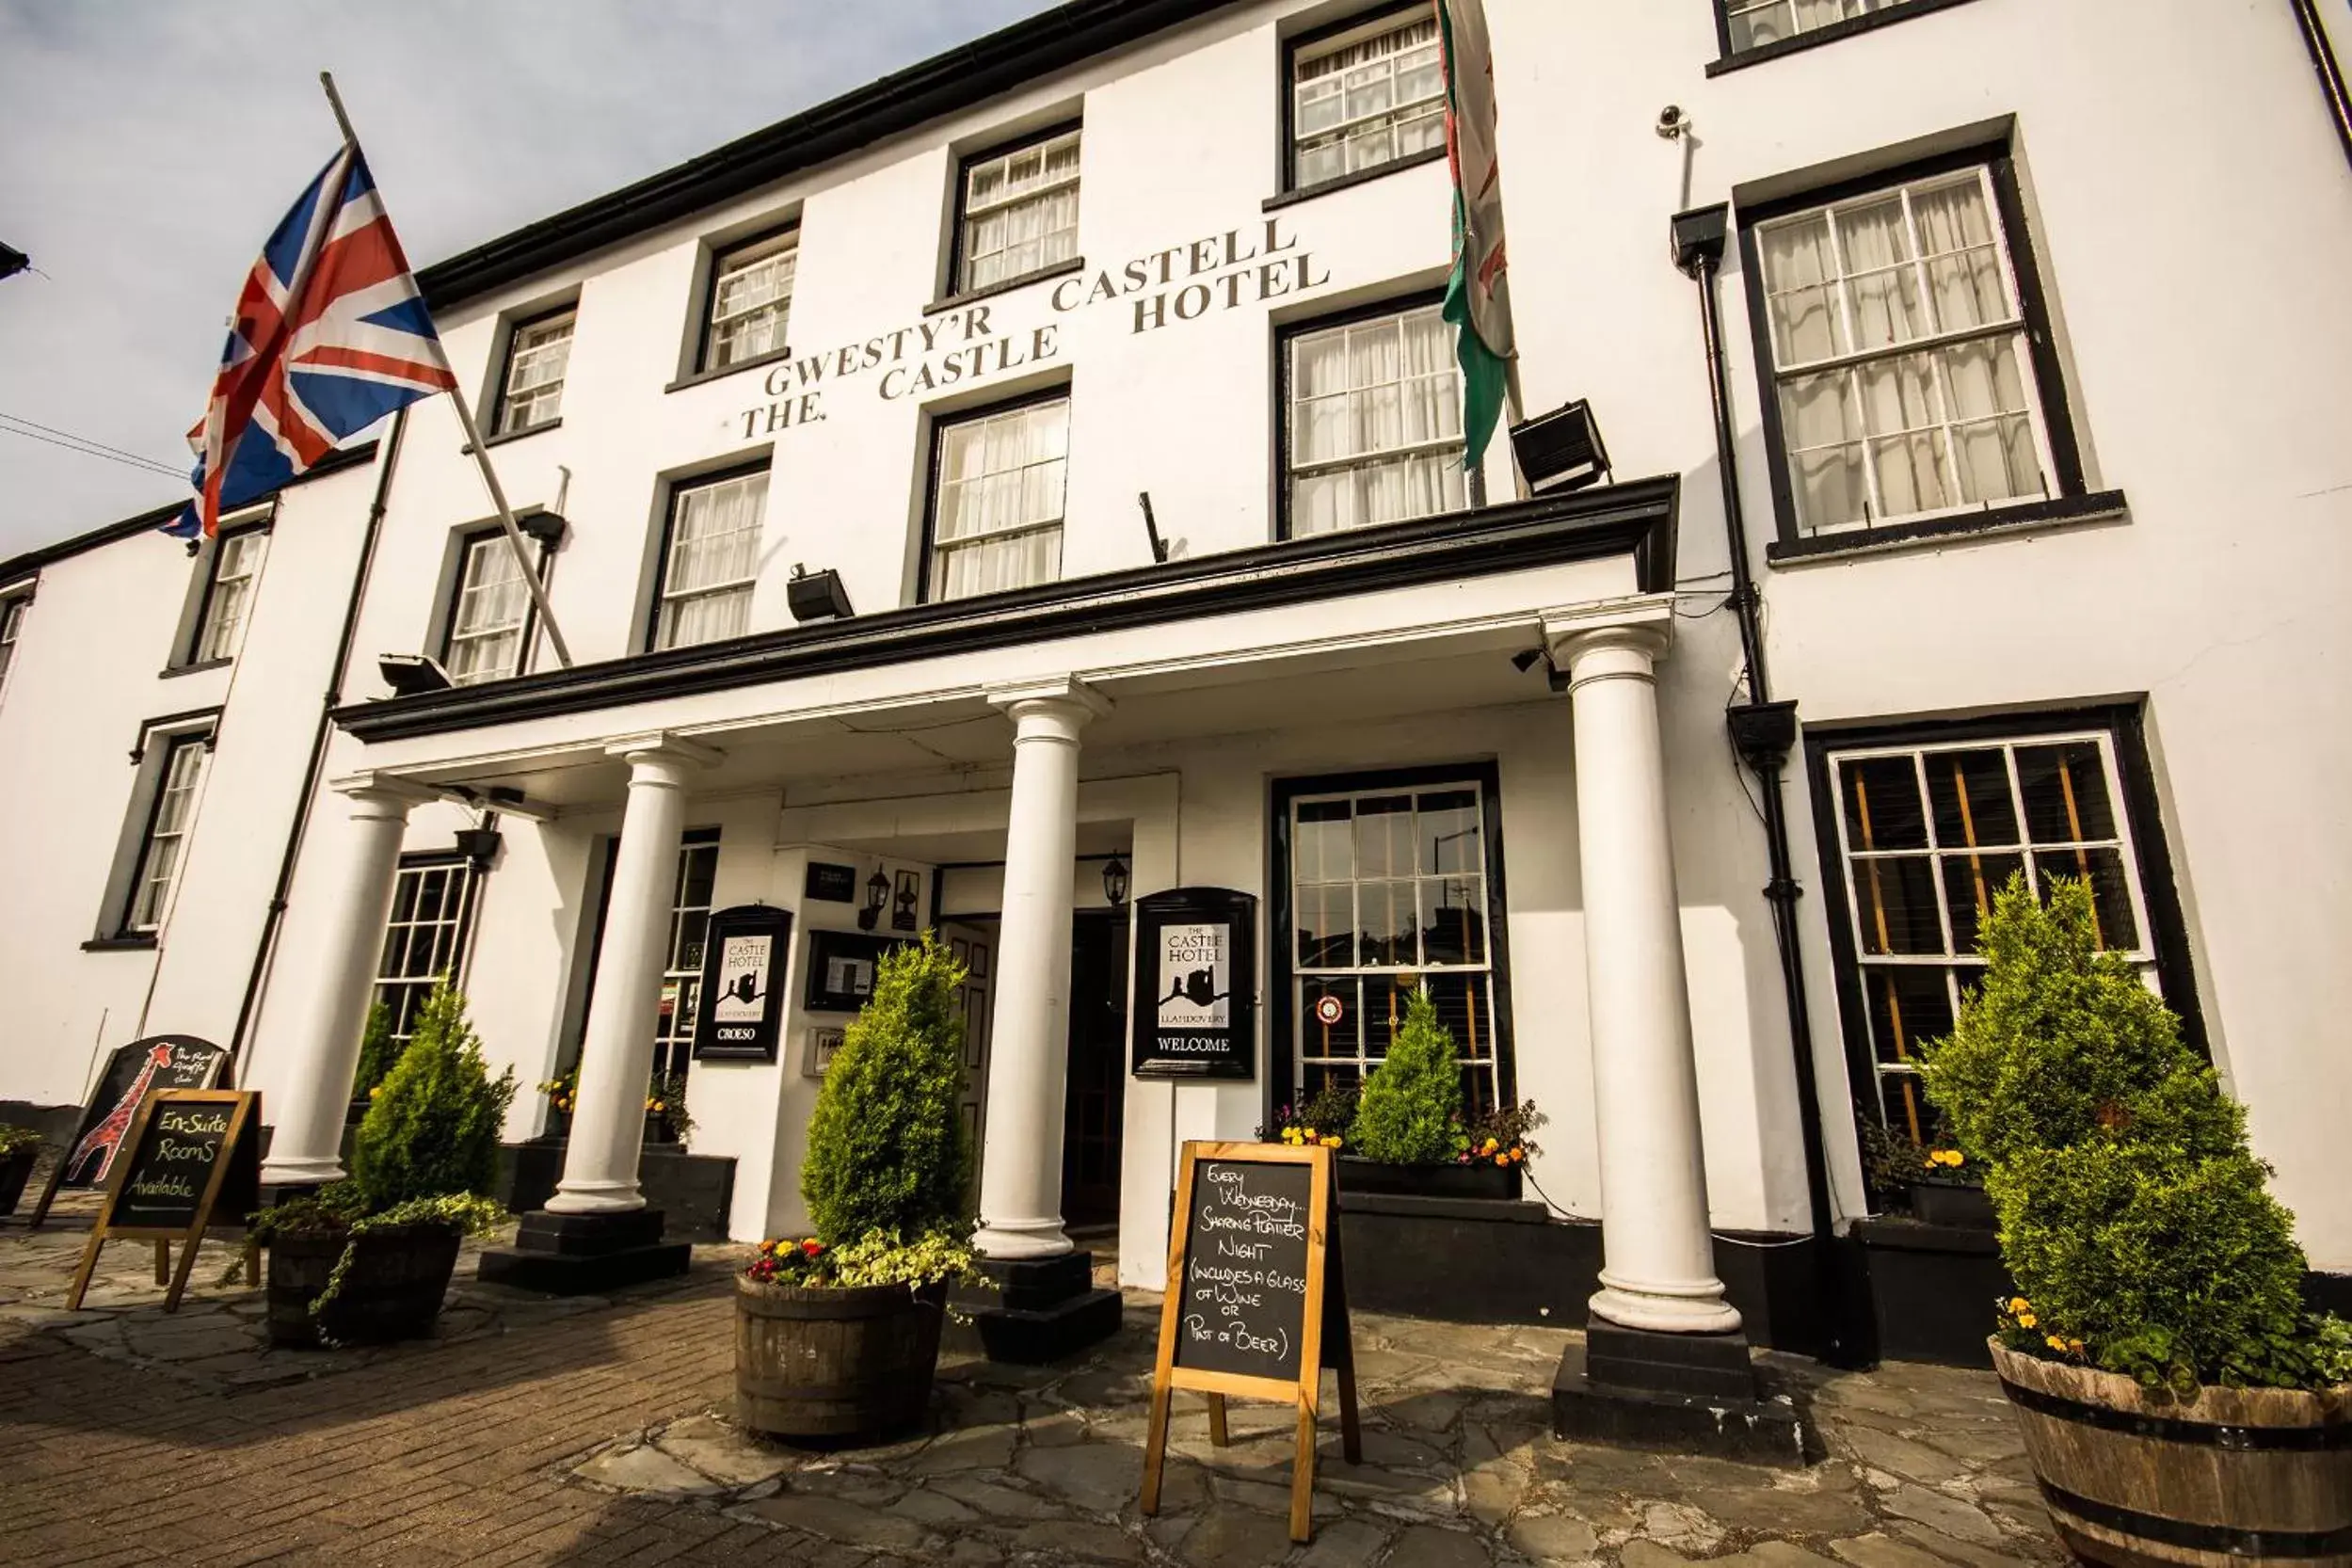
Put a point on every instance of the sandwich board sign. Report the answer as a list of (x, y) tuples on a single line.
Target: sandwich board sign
[(132, 1072), (187, 1152), (1256, 1303)]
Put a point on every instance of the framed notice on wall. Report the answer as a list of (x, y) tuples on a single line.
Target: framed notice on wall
[(741, 1014), (1196, 984), (841, 968)]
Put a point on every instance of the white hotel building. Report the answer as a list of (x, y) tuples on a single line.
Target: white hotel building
[(1100, 360)]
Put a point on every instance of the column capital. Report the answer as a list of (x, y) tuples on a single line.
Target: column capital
[(1065, 698), (660, 746), (1614, 637), (373, 787)]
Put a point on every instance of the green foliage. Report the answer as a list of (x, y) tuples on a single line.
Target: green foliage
[(341, 1209), (2132, 1212), (887, 1149), (378, 1050), (15, 1138), (433, 1129), (1413, 1099)]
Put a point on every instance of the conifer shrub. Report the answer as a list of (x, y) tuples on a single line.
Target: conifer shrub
[(433, 1130), (378, 1050), (886, 1148), (2133, 1211), (1412, 1102)]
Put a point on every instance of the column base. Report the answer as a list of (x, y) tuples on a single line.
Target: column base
[(1666, 1310), (1021, 1241), (585, 1254), (1678, 1392), (597, 1197), (1036, 1311), (297, 1175)]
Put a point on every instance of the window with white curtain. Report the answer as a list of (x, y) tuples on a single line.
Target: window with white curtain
[(1755, 22), (709, 560), (539, 355), (1374, 422), (997, 497), (1901, 366), (489, 616), (1016, 211), (229, 596), (751, 299), (171, 816), (12, 610), (1367, 97)]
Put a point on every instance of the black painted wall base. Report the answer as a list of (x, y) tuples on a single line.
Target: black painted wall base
[(1681, 1392), (695, 1191), (1033, 1312), (1930, 1289), (585, 1254)]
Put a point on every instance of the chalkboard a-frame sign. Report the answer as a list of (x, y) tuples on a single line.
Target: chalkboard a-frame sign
[(1256, 1303), (186, 1150)]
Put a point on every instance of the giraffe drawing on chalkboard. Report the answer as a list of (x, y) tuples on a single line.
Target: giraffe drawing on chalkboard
[(103, 1141)]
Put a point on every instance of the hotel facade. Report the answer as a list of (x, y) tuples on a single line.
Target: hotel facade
[(1032, 485)]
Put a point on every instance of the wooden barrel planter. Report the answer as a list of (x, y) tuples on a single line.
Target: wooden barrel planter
[(834, 1363), (393, 1289), (2236, 1475)]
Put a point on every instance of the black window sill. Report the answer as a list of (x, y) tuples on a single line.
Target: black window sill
[(501, 439), (1815, 37), (120, 944), (1347, 182), (197, 668), (2064, 511), (1059, 270), (722, 372)]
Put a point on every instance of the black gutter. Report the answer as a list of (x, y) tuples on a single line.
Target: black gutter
[(1763, 731), (1634, 519), (2323, 54), (1004, 61), (329, 700)]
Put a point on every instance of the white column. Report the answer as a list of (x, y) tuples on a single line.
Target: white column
[(307, 1142), (1020, 1177), (616, 1050), (1657, 1261)]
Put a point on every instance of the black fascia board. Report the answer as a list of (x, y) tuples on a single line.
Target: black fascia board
[(1636, 518), (154, 517), (1001, 62)]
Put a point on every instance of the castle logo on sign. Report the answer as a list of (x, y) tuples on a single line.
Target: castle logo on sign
[(744, 985), (1195, 976)]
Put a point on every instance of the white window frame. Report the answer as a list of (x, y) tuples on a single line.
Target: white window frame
[(1802, 16), (170, 819), (670, 600), (769, 318), (968, 212), (1959, 968), (1307, 1032), (528, 398), (400, 983), (1295, 423), (488, 546), (681, 962), (232, 584), (14, 606), (2015, 328), (944, 549), (1312, 65)]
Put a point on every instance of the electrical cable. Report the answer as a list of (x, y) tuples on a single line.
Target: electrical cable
[(142, 464)]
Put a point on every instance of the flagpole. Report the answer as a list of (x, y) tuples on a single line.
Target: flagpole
[(474, 443)]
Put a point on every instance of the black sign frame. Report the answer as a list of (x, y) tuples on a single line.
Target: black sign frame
[(735, 1038), (857, 946), (107, 1103), (830, 882), (1215, 959), (234, 1170)]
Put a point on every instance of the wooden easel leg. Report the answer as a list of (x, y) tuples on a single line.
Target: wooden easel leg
[(1303, 1473), (1217, 1432), (1155, 1446), (189, 1249), (163, 1263)]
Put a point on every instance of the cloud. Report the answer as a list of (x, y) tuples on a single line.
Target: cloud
[(146, 150)]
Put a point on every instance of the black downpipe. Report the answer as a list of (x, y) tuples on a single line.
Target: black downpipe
[(328, 703), (1763, 731), (2330, 73)]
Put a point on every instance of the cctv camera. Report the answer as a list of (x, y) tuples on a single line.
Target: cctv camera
[(1672, 121)]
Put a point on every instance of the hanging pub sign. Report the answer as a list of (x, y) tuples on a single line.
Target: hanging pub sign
[(1197, 984), (740, 1015), (132, 1072), (187, 1156)]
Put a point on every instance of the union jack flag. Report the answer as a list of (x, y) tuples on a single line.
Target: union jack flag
[(331, 335)]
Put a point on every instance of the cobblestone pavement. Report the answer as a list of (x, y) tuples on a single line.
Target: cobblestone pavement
[(597, 1432)]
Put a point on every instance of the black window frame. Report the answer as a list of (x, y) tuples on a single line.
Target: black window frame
[(175, 739), (545, 535), (1284, 332), (1281, 1042), (764, 462), (2126, 725), (461, 946), (191, 643), (691, 837), (710, 301), (2070, 496), (953, 291), (513, 328), (1289, 187), (1734, 59), (1061, 391)]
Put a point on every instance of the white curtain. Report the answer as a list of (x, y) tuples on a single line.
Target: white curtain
[(1368, 395), (713, 554), (1002, 485)]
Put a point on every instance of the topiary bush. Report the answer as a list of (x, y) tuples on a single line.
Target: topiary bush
[(886, 1148), (378, 1050), (434, 1128), (2132, 1212), (1413, 1100)]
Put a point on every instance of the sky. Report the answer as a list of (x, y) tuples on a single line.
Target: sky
[(146, 150)]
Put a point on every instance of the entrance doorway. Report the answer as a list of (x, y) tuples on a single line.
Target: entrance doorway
[(972, 946), (1092, 1110)]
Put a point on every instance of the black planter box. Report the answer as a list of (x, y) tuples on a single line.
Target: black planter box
[(1951, 1203), (1498, 1183), (14, 1169), (1932, 1289)]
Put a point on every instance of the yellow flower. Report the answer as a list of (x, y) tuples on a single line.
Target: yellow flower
[(660, 1105), (1490, 1146), (1502, 1160), (2075, 1346), (2020, 1304), (2054, 1342), (2026, 1319), (378, 1090), (1332, 1142)]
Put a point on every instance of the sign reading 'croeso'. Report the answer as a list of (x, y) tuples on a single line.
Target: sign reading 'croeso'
[(1196, 962), (741, 1013)]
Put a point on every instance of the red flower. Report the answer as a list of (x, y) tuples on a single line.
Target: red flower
[(812, 1246)]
